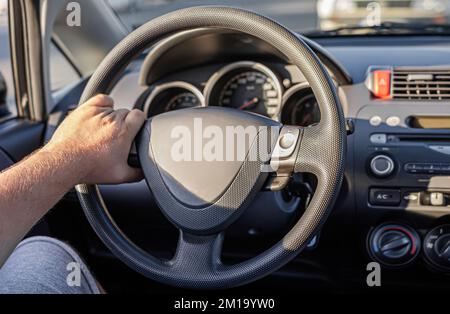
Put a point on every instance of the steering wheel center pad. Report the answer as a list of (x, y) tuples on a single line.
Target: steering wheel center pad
[(204, 187)]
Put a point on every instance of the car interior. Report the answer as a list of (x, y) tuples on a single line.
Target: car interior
[(372, 186)]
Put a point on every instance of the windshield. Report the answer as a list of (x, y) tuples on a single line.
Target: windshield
[(305, 15)]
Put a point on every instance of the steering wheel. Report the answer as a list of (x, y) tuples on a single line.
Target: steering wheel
[(203, 198)]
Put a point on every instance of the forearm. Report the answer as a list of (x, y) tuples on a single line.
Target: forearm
[(29, 189), (90, 146)]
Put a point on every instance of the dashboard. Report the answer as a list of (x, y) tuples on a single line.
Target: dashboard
[(395, 199), (222, 68)]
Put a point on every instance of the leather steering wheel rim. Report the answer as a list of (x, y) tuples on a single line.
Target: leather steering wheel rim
[(321, 152)]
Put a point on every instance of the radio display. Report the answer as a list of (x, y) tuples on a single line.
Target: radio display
[(429, 122)]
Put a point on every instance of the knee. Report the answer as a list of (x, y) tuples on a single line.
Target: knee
[(44, 263), (46, 250)]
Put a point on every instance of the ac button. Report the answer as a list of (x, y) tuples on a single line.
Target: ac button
[(384, 197)]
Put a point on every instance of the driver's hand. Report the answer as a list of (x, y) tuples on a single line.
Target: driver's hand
[(99, 139)]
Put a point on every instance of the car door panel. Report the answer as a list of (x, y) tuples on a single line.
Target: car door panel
[(19, 138)]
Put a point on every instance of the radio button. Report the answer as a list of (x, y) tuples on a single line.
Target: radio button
[(375, 121), (414, 168), (411, 168), (393, 121), (427, 168), (419, 167), (437, 167), (432, 168), (378, 138)]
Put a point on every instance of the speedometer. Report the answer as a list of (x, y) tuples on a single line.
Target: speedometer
[(246, 86)]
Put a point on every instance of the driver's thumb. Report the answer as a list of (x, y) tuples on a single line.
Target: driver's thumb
[(134, 121)]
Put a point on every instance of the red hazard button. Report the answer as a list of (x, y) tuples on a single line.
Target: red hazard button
[(382, 83)]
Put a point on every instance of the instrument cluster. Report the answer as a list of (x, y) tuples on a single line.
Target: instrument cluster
[(243, 85)]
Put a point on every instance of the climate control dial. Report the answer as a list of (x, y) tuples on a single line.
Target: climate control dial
[(437, 247), (394, 244)]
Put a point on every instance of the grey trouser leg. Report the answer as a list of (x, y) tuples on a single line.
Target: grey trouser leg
[(46, 266)]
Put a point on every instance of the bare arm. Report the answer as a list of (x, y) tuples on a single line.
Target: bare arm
[(90, 146)]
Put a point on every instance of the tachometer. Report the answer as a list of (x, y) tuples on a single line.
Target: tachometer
[(300, 106), (172, 96), (246, 86), (182, 101)]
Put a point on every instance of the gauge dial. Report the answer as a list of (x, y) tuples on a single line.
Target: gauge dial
[(246, 86), (172, 96), (182, 101), (252, 91), (300, 107)]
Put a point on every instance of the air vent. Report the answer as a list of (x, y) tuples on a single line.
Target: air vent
[(421, 84)]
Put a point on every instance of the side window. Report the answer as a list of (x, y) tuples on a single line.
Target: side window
[(6, 80), (62, 73)]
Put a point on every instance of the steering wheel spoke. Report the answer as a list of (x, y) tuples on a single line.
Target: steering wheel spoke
[(299, 150), (197, 256), (313, 152)]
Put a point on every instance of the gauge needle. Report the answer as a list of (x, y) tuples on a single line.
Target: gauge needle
[(249, 103)]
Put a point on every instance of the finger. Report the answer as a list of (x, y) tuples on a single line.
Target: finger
[(134, 121), (121, 114), (101, 100), (105, 112)]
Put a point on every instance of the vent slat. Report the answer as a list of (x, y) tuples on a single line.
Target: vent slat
[(423, 89), (411, 84), (422, 83), (397, 71), (422, 95), (409, 71)]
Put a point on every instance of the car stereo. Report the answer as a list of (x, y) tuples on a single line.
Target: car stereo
[(402, 156)]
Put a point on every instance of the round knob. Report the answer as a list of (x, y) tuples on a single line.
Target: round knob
[(382, 165), (443, 247), (437, 247), (394, 245)]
